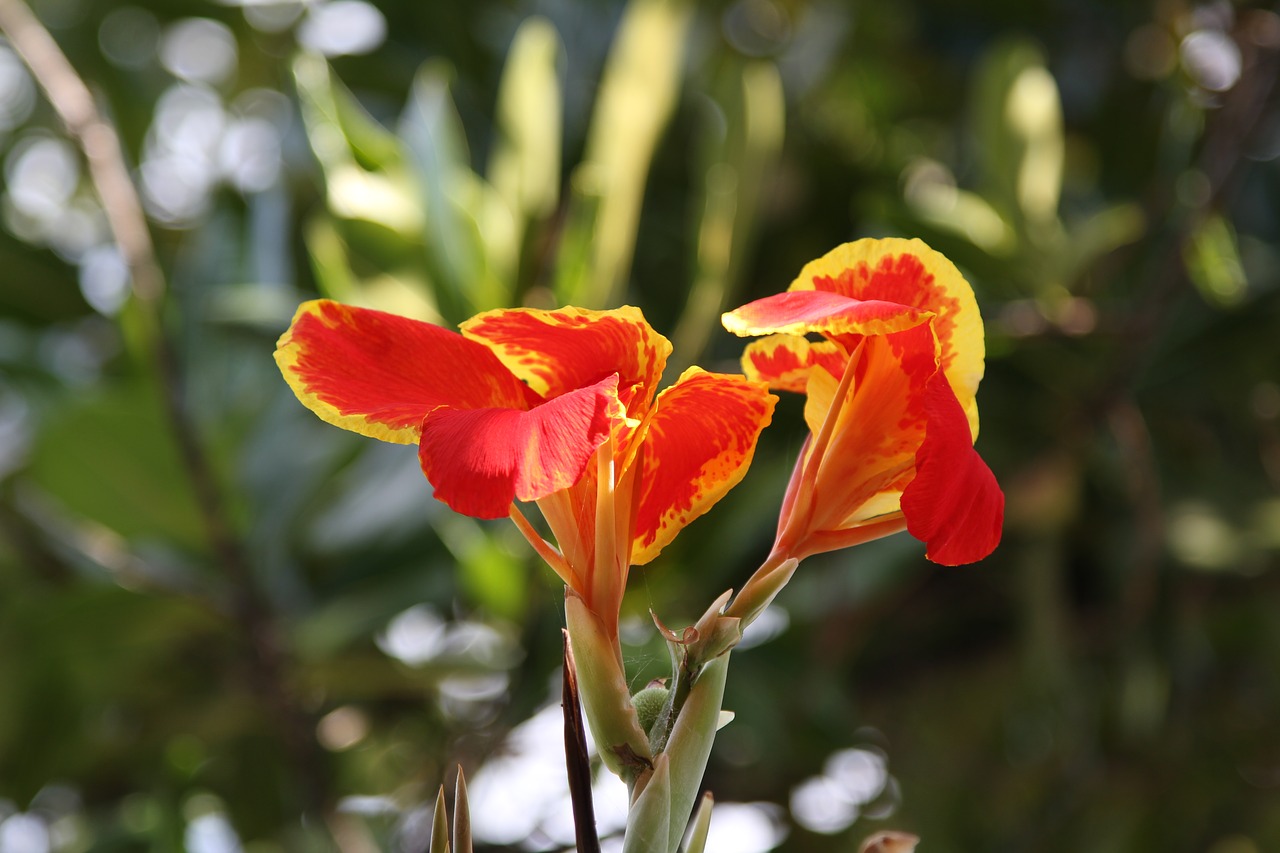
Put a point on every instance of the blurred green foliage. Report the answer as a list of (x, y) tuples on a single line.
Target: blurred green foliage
[(1105, 174)]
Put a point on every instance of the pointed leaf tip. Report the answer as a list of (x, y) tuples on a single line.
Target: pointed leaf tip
[(461, 816)]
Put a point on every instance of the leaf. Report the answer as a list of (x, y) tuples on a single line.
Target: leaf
[(1018, 118), (649, 820), (637, 94), (690, 744), (606, 699), (396, 292), (338, 128), (735, 168), (1213, 262), (491, 574), (432, 131), (110, 458), (1098, 235), (525, 165)]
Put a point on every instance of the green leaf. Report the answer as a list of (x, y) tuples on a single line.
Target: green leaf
[(493, 575), (1213, 262), (111, 459), (397, 291), (338, 128), (637, 95), (1100, 234), (1018, 117), (690, 743), (461, 817), (735, 166), (431, 129), (525, 165)]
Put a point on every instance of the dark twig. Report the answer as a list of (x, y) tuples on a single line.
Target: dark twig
[(576, 759), (100, 144)]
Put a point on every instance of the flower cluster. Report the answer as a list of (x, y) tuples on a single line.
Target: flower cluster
[(552, 407), (561, 409), (891, 401)]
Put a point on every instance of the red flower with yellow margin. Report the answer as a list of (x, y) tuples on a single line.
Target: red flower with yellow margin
[(555, 407), (890, 401)]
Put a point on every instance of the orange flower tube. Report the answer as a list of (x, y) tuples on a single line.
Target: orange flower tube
[(891, 401)]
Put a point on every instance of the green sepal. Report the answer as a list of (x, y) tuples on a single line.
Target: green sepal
[(461, 817), (440, 826), (684, 759), (606, 700), (701, 825), (649, 821)]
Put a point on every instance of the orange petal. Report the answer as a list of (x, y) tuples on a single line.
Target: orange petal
[(879, 427), (784, 361), (557, 351), (378, 374), (800, 311), (911, 274), (699, 444), (479, 460), (953, 504)]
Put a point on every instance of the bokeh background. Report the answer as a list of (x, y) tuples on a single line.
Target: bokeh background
[(227, 626)]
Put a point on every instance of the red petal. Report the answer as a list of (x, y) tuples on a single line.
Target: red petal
[(379, 375), (699, 444), (799, 311), (953, 504), (479, 460)]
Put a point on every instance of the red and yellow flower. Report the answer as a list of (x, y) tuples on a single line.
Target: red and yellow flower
[(890, 404), (556, 407)]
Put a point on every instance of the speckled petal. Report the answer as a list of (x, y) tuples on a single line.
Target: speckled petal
[(557, 351), (699, 444), (379, 374)]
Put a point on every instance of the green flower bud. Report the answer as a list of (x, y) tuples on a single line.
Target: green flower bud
[(649, 702)]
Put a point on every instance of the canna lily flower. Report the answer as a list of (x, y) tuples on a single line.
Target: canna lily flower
[(890, 402), (552, 407)]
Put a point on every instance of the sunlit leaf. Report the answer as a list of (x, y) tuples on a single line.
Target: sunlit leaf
[(338, 127), (524, 167), (636, 96), (735, 166), (468, 232), (1019, 127), (1213, 262)]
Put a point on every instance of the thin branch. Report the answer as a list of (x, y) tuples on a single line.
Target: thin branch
[(100, 144), (74, 104)]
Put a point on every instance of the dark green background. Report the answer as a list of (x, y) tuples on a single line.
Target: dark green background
[(1109, 680)]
